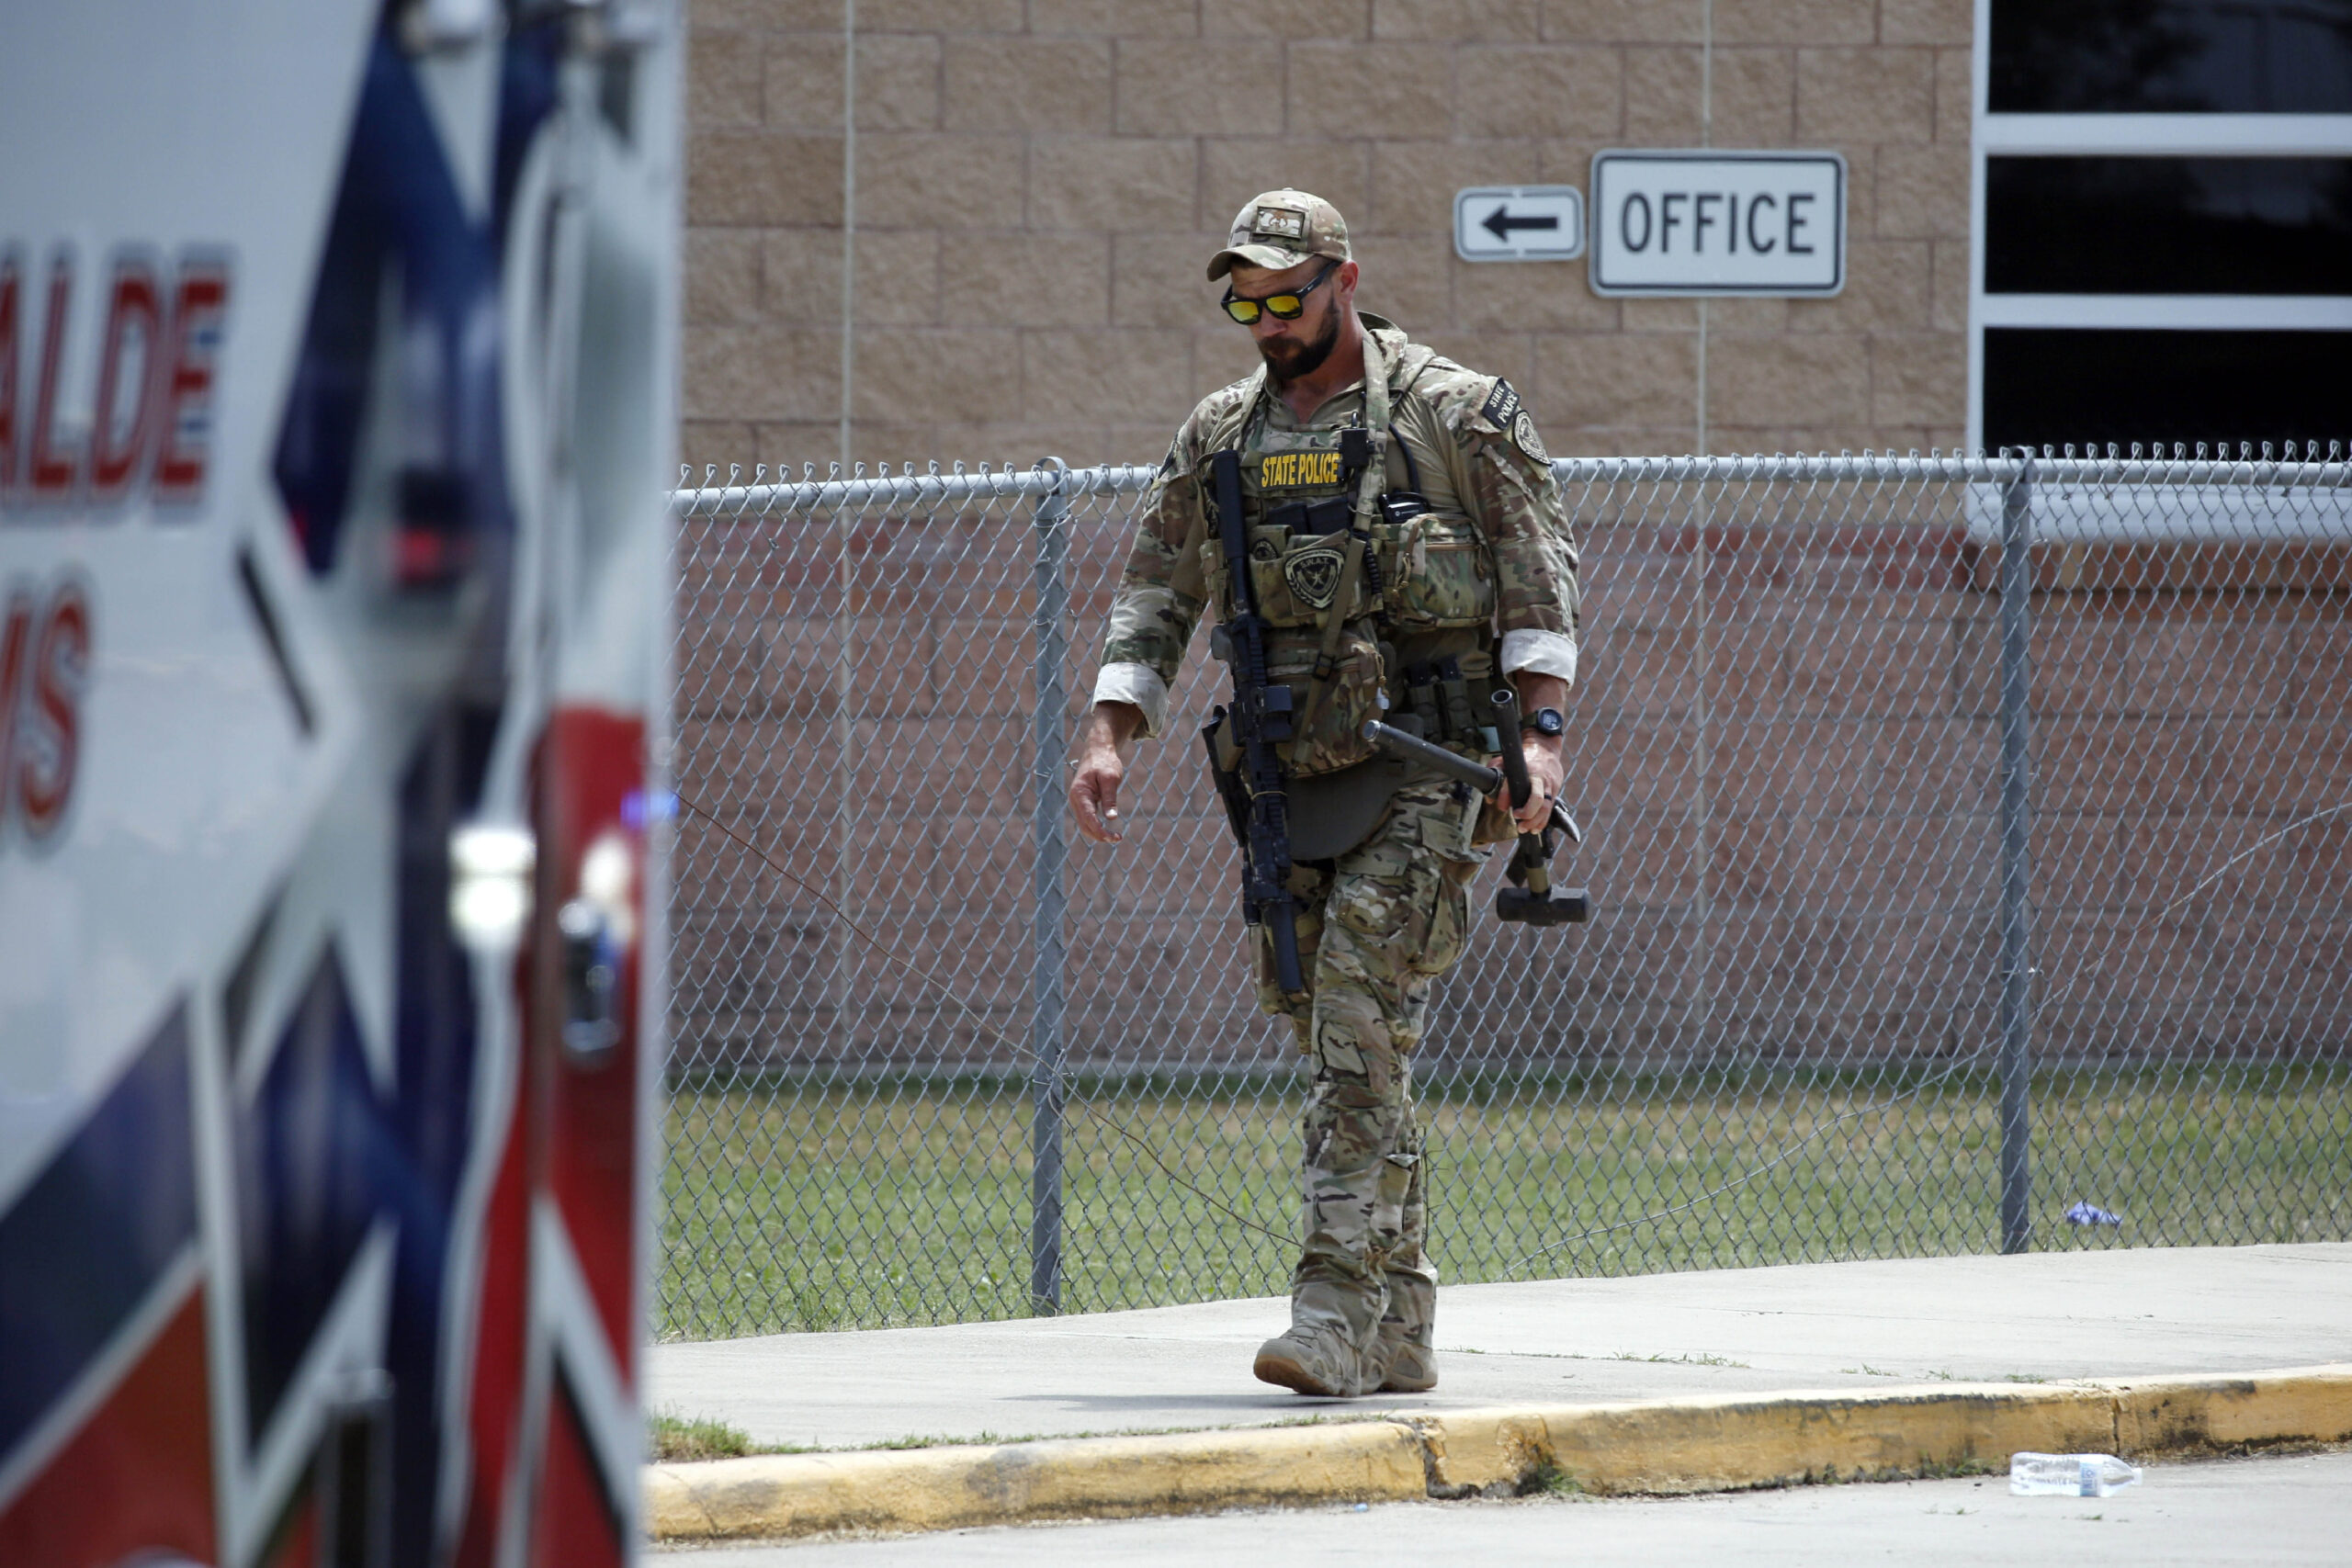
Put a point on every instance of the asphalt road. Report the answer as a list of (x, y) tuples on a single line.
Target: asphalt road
[(2267, 1511)]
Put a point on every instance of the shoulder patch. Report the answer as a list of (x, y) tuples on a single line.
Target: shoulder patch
[(1502, 404), (1523, 436)]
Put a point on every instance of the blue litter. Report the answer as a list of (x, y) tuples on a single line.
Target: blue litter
[(2090, 1215)]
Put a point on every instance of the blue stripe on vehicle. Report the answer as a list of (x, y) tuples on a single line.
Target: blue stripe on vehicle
[(87, 1241)]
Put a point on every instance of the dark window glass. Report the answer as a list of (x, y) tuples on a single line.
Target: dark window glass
[(2168, 225), (2172, 56), (2049, 386)]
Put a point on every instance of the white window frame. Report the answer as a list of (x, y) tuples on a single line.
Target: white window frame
[(2177, 135)]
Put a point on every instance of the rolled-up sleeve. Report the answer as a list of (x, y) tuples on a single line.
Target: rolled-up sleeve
[(1543, 654), (1140, 684)]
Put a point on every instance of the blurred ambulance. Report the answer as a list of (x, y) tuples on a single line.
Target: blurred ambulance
[(336, 391)]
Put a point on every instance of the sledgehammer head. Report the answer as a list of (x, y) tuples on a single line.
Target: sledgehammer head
[(1559, 907)]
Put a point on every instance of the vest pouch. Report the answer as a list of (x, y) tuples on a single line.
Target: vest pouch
[(1329, 516), (1352, 697), (1434, 572), (1271, 590), (1301, 576)]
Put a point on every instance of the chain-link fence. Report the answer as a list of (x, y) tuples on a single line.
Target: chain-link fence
[(1930, 917)]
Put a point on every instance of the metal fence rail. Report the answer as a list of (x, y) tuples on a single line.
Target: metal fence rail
[(1946, 889)]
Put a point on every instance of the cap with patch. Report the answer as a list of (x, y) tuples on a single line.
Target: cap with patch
[(1281, 228)]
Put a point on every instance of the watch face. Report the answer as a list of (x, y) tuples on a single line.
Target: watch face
[(1548, 721)]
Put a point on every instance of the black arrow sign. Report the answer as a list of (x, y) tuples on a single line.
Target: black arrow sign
[(1500, 223)]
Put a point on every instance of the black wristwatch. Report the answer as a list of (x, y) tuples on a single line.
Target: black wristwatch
[(1544, 721)]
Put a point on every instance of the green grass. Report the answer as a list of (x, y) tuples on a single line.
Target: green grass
[(791, 1207), (672, 1438), (1550, 1481)]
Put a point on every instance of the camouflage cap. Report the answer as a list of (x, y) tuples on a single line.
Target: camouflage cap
[(1280, 229)]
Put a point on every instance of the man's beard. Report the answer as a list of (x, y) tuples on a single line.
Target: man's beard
[(1288, 359)]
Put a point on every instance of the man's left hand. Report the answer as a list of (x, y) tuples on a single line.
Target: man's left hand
[(1544, 774)]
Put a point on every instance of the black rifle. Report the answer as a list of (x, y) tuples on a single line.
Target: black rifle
[(1531, 899), (1258, 719)]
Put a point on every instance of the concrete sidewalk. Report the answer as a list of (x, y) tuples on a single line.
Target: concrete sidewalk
[(1863, 1326)]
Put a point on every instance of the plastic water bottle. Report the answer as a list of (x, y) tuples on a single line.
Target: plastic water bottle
[(2068, 1475)]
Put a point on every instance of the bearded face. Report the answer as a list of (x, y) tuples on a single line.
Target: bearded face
[(1288, 357)]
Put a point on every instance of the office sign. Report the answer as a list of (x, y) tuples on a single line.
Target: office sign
[(1717, 222), (1518, 223)]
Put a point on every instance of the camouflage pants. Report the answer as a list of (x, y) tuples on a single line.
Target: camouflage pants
[(1389, 919)]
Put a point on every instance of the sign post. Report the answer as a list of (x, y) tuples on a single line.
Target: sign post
[(1518, 223), (1706, 222)]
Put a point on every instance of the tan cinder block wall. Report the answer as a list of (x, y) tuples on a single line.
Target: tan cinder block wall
[(1039, 182)]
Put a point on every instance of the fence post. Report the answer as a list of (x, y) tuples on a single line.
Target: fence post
[(1046, 963), (2017, 846)]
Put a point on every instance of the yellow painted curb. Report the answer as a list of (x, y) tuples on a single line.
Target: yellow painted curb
[(1721, 1443), (1659, 1445), (941, 1488), (2311, 1405)]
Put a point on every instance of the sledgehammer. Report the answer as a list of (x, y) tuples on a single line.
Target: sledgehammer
[(1531, 899)]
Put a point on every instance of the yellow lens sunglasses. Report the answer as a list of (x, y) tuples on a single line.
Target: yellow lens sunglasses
[(1282, 307)]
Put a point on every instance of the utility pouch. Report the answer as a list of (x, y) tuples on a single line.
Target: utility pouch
[(1269, 587), (1435, 572), (1393, 1187), (1444, 697), (1293, 577), (1334, 738), (1329, 516), (1454, 699)]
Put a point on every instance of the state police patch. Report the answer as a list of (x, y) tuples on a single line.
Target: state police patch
[(1501, 404), (1523, 436)]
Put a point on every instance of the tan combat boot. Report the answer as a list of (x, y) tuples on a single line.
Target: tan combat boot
[(1404, 1355), (1412, 1369), (1310, 1359), (1320, 1355)]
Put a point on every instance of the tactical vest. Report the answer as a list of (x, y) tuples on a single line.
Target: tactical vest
[(1416, 645)]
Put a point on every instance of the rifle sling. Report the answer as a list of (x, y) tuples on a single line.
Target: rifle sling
[(1333, 618)]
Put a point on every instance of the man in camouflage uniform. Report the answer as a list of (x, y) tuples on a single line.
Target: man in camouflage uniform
[(1466, 578)]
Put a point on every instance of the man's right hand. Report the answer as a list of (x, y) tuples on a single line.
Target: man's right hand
[(1102, 764)]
